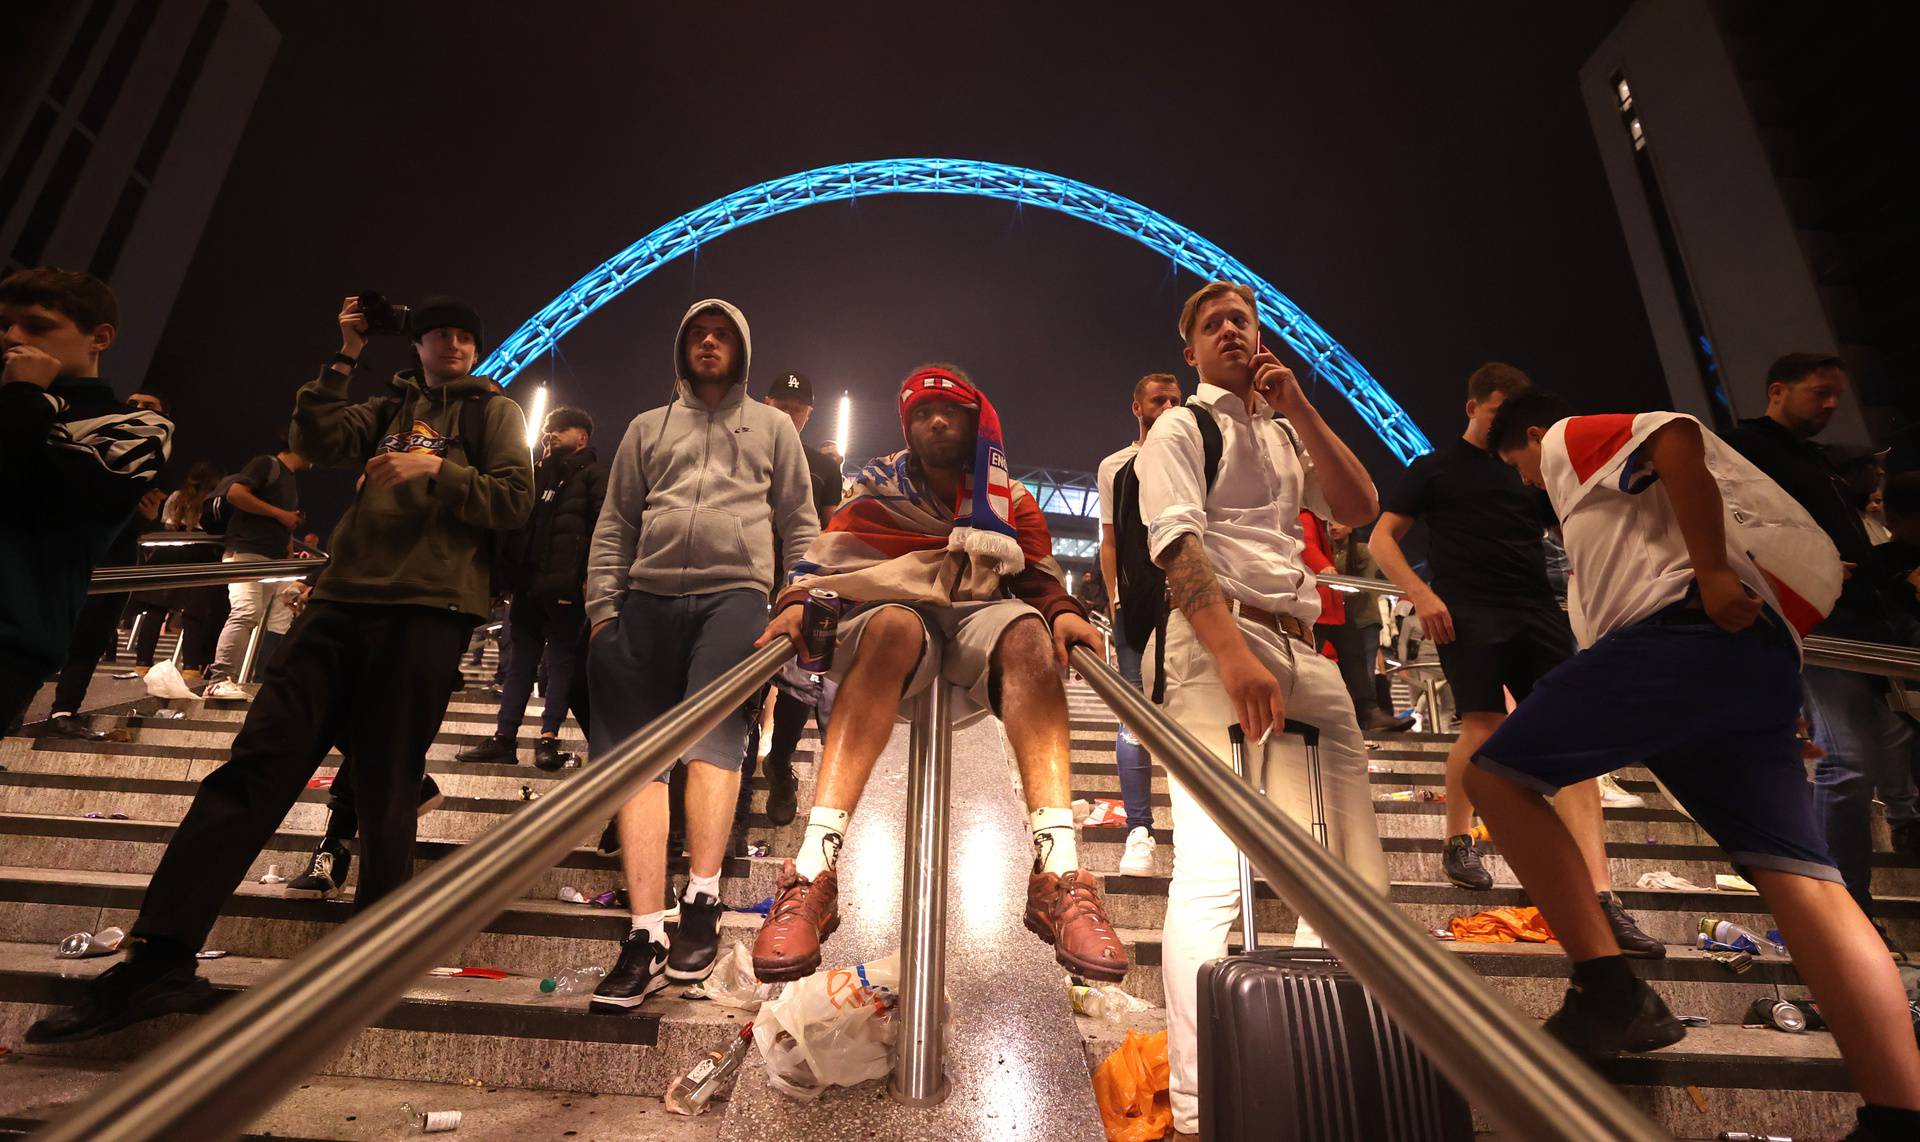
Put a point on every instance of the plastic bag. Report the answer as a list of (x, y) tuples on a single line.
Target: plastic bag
[(733, 982), (839, 1027), (164, 681), (1131, 1087)]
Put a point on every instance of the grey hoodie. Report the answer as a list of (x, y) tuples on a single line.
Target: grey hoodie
[(696, 496)]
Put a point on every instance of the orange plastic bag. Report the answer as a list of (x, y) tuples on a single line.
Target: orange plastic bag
[(1131, 1087), (1503, 926)]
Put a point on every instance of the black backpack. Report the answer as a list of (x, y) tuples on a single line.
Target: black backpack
[(1143, 587)]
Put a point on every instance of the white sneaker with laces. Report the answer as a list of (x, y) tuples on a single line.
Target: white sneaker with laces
[(225, 691), (1614, 797), (1137, 860)]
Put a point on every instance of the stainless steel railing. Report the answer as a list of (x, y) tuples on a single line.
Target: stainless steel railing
[(226, 1068), (919, 1074), (1520, 1078), (161, 576)]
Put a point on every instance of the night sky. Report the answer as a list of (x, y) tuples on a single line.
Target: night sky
[(1420, 179)]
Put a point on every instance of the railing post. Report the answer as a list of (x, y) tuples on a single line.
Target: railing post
[(919, 1072), (244, 675)]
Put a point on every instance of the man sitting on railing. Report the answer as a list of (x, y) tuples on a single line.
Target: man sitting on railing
[(1695, 576), (1238, 644), (74, 462), (949, 566)]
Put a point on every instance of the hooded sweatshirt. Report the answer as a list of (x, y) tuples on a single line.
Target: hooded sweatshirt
[(74, 460), (424, 542), (696, 495)]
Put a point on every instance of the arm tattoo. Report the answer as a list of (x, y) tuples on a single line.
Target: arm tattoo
[(1190, 578)]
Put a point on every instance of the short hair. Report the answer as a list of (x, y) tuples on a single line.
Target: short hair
[(1901, 496), (1531, 408), (1140, 386), (86, 300), (1497, 377), (165, 408), (1796, 367), (567, 416), (1190, 312)]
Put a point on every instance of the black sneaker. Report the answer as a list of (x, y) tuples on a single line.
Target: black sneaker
[(548, 755), (1906, 837), (609, 839), (69, 726), (430, 796), (1595, 1028), (697, 942), (124, 994), (783, 793), (493, 751), (638, 973), (1462, 864), (326, 872), (1634, 943)]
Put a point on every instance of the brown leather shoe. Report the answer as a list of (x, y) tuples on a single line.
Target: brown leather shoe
[(1066, 912), (805, 912)]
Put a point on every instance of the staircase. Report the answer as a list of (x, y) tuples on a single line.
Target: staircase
[(81, 825)]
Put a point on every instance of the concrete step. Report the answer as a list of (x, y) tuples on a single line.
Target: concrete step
[(358, 1109), (499, 1032)]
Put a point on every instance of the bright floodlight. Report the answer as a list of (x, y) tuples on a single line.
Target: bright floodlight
[(537, 419), (843, 432)]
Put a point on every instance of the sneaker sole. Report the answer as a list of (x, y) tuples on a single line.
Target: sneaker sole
[(624, 1005), (1469, 886), (1145, 869), (309, 893), (696, 975)]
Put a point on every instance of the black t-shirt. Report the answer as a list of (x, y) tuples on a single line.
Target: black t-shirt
[(251, 534), (1484, 526), (826, 483)]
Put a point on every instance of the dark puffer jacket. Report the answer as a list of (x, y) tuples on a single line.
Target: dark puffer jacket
[(547, 559)]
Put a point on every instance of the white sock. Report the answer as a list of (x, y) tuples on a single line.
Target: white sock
[(655, 924), (820, 848), (707, 884), (1055, 848)]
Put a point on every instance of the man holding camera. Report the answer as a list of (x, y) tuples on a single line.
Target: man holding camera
[(372, 660)]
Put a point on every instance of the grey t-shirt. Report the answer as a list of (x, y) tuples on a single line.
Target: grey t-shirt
[(251, 534)]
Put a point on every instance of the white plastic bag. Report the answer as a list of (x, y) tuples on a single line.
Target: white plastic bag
[(733, 982), (839, 1028), (164, 681)]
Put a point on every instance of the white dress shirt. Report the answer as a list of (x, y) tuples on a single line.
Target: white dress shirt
[(1249, 524)]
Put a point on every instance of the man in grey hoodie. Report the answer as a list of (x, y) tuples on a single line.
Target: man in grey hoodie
[(682, 564)]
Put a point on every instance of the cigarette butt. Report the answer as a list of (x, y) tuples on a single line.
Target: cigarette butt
[(1265, 735)]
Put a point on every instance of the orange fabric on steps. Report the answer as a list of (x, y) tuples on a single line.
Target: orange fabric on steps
[(1503, 926)]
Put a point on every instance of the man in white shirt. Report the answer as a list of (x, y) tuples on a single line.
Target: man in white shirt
[(1153, 394), (1239, 643), (1695, 576)]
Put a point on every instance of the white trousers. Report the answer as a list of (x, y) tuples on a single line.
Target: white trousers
[(1203, 901)]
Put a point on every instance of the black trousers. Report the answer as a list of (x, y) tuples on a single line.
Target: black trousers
[(376, 678), (19, 682), (790, 716), (1355, 645), (545, 635), (93, 632)]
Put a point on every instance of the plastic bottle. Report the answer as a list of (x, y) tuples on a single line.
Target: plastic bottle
[(692, 1092), (579, 981)]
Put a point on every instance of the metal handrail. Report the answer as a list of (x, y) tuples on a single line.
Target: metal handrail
[(234, 1063), (1816, 649), (158, 576), (1522, 1079)]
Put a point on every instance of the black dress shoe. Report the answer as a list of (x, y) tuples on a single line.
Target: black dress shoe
[(1594, 1027), (493, 751), (1634, 943), (125, 994), (68, 726), (547, 754), (783, 790)]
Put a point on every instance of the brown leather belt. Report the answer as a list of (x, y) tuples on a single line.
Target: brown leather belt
[(1279, 624)]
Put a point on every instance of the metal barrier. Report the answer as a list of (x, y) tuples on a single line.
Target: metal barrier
[(1518, 1076), (161, 576), (919, 1075), (221, 1072)]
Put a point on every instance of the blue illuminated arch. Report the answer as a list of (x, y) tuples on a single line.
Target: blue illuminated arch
[(1156, 231)]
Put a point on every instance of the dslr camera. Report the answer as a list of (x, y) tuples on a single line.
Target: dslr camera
[(384, 318)]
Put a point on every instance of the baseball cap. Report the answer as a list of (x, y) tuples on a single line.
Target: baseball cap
[(791, 386)]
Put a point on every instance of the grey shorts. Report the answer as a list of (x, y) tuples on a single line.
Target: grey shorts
[(959, 644), (661, 649)]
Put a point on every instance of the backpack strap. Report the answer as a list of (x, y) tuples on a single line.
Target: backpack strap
[(1211, 444), (473, 427)]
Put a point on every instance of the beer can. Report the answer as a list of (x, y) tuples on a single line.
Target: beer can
[(819, 625)]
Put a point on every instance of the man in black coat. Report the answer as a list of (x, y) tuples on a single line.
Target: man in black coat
[(546, 569)]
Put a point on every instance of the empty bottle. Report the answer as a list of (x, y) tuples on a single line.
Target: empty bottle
[(579, 981), (691, 1092)]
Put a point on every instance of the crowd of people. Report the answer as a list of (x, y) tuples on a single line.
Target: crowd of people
[(1696, 564)]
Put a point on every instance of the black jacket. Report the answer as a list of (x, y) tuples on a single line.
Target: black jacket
[(547, 559)]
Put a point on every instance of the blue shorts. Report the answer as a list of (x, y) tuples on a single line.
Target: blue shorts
[(1711, 714)]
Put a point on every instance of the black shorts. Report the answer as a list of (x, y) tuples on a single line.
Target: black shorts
[(1495, 647)]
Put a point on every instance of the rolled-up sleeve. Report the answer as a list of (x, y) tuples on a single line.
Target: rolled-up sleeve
[(1173, 487)]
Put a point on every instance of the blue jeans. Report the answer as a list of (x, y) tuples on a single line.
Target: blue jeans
[(1868, 747), (1129, 756)]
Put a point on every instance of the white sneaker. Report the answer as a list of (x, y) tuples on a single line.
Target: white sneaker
[(1614, 797), (1138, 859), (225, 691)]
